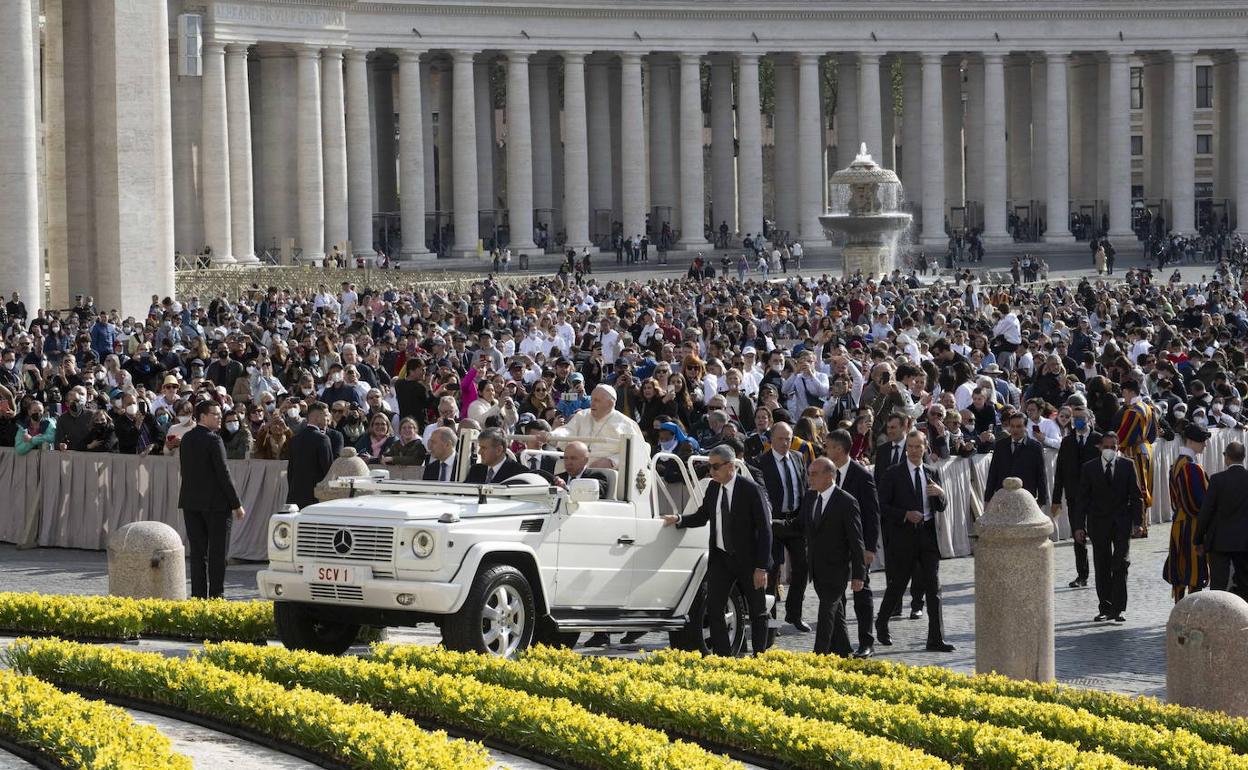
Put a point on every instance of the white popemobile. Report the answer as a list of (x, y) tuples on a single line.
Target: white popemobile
[(497, 567)]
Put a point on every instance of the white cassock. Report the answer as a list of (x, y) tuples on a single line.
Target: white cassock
[(615, 425)]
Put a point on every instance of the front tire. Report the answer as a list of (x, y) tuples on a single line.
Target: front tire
[(301, 630), (696, 635), (498, 618)]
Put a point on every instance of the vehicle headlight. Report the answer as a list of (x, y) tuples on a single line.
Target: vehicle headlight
[(422, 543), (281, 536)]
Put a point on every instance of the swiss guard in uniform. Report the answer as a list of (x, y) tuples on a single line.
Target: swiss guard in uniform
[(1136, 433), (1185, 570)]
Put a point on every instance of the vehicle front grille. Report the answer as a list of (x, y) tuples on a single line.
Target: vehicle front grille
[(333, 592), (350, 543)]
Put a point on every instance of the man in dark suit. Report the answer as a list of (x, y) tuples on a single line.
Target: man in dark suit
[(441, 463), (545, 463), (495, 466), (1019, 456), (740, 546), (910, 498), (1222, 527), (1082, 446), (207, 499), (888, 454), (784, 475), (310, 455), (833, 526), (575, 460), (858, 482), (1109, 508)]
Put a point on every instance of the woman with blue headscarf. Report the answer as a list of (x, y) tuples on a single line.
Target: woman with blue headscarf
[(672, 438)]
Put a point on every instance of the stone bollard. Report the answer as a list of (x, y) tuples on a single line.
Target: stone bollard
[(349, 463), (1014, 587), (146, 560), (1206, 639)]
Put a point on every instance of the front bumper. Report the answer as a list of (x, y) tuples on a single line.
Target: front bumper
[(428, 597)]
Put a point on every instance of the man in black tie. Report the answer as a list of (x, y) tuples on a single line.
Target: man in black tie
[(858, 482), (1019, 456), (310, 454), (575, 462), (495, 466), (784, 475), (910, 498), (441, 463), (1109, 508), (833, 527), (1222, 526), (538, 426), (208, 500), (740, 547), (888, 454), (1079, 448)]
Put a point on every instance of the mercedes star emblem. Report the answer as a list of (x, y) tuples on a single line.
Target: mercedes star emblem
[(343, 542)]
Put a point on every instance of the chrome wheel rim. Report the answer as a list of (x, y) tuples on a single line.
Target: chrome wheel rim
[(730, 618), (502, 621)]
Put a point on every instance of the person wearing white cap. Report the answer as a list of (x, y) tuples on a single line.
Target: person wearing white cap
[(601, 420)]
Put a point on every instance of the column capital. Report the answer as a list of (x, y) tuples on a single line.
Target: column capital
[(687, 57), (214, 46), (411, 55), (306, 50), (464, 57), (867, 57), (994, 56), (519, 56), (573, 56), (333, 52), (748, 58), (1118, 57), (1182, 54), (806, 57), (239, 47), (631, 57), (932, 57), (1055, 55), (356, 54)]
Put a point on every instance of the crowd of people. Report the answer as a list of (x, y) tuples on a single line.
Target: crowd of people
[(874, 373)]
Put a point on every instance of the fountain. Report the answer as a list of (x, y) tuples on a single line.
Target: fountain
[(864, 207)]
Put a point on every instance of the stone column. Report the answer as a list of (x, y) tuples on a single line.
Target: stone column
[(1018, 110), (847, 117), (1241, 143), (386, 186), (484, 100), (56, 240), (464, 150), (446, 140), (632, 146), (20, 260), (309, 162), (519, 154), (933, 154), (662, 155), (811, 178), (575, 152), (1039, 133), (750, 146), (954, 141), (995, 168), (973, 132), (598, 123), (539, 112), (242, 200), (275, 177), (1117, 111), (723, 143), (359, 155), (870, 120), (785, 154), (692, 183), (888, 115), (334, 147), (1183, 147), (428, 110), (412, 156), (1057, 146), (912, 130), (215, 163)]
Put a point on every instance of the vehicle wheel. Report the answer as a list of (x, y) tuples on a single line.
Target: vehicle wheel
[(498, 618), (301, 630), (696, 636), (547, 634)]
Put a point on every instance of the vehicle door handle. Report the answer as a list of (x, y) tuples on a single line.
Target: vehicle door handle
[(625, 540)]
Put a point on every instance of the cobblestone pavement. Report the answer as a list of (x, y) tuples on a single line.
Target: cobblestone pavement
[(1128, 658)]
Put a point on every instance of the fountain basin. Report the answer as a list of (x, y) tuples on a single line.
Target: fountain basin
[(865, 211)]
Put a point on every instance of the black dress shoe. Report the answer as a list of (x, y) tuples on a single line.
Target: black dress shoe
[(799, 624), (916, 614), (632, 636), (940, 647), (865, 652), (1101, 617), (598, 639), (1078, 583), (896, 613), (1119, 618), (882, 637)]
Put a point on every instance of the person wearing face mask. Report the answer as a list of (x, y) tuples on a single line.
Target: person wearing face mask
[(73, 427), (1186, 569), (1107, 510), (1080, 447), (102, 437), (36, 431), (237, 436)]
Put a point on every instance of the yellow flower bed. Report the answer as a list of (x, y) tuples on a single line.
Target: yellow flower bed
[(77, 733), (747, 725), (350, 734), (551, 726), (116, 617)]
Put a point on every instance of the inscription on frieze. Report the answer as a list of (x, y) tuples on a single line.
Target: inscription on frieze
[(279, 16)]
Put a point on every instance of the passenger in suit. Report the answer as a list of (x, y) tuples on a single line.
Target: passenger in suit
[(441, 463), (888, 454), (310, 456), (1079, 448), (910, 498), (740, 546), (1019, 456), (833, 526), (784, 476), (1222, 526), (575, 462), (858, 482), (208, 501), (1109, 508), (545, 463), (495, 466)]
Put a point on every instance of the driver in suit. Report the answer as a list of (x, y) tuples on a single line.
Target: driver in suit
[(575, 462)]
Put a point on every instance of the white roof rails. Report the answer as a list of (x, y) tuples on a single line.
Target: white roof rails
[(374, 485)]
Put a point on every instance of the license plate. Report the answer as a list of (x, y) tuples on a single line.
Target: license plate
[(340, 575)]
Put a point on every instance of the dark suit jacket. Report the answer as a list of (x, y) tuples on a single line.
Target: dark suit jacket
[(770, 469), (748, 538), (431, 469), (1027, 464), (883, 459), (834, 545), (1099, 503), (1070, 461), (509, 468), (1222, 526), (897, 496), (206, 482), (590, 473), (861, 485), (309, 459)]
